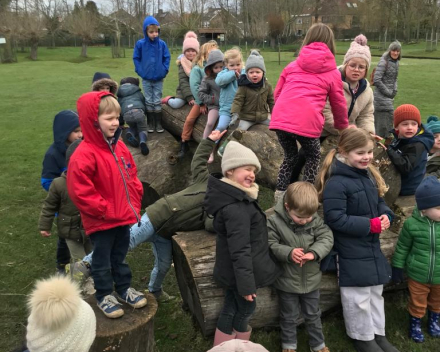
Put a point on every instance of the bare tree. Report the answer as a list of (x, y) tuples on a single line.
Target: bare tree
[(51, 12), (8, 28)]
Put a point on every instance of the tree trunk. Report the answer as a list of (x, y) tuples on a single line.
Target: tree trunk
[(34, 50), (53, 40), (8, 54), (84, 49), (272, 42)]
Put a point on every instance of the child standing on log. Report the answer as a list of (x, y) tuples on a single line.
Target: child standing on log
[(243, 262), (300, 97), (103, 184), (418, 250), (351, 191), (299, 239)]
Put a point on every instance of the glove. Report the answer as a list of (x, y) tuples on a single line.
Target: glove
[(233, 119), (375, 225), (397, 275)]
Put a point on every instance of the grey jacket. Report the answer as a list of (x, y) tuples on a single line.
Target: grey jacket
[(385, 81), (209, 93)]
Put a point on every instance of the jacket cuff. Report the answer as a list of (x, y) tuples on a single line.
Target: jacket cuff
[(375, 226)]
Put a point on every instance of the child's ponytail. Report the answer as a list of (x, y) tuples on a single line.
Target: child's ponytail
[(382, 187), (324, 173)]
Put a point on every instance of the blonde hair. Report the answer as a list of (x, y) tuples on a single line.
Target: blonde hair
[(202, 56), (349, 140), (302, 198), (322, 33), (108, 105), (234, 54)]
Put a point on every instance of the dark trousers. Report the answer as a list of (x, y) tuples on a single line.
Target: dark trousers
[(63, 253), (108, 261), (236, 313)]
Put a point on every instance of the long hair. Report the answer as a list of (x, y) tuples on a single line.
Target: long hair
[(202, 56), (322, 33), (349, 140)]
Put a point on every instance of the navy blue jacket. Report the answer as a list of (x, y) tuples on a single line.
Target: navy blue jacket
[(130, 97), (151, 57), (350, 200), (409, 156), (54, 162)]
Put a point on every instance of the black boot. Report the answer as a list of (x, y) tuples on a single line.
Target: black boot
[(183, 149), (158, 121), (151, 122), (131, 139), (143, 143), (385, 344), (366, 346)]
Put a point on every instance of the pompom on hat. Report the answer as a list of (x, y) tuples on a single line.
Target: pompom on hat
[(359, 49), (433, 124), (407, 112), (255, 60), (237, 155), (60, 321), (190, 42), (428, 193)]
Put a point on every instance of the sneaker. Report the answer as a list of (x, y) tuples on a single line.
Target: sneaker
[(133, 298), (162, 297), (110, 307), (78, 271), (325, 349)]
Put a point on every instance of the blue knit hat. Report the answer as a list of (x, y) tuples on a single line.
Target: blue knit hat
[(100, 75), (428, 193), (433, 124)]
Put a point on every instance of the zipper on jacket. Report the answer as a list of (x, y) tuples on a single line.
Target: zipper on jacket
[(432, 256), (125, 167)]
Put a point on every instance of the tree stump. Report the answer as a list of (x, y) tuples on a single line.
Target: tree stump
[(134, 331)]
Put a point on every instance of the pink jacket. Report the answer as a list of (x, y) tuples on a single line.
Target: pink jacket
[(302, 91)]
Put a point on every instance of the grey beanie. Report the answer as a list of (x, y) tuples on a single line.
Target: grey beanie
[(214, 56), (71, 149), (255, 60), (237, 155)]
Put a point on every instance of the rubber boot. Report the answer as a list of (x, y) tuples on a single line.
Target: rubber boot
[(165, 100), (150, 122), (143, 143), (366, 346), (385, 344), (183, 149), (415, 329), (158, 121), (131, 139), (243, 335), (433, 324), (221, 337)]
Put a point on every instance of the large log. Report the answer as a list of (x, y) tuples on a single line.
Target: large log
[(134, 331)]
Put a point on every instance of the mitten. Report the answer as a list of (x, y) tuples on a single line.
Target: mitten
[(397, 275), (375, 225)]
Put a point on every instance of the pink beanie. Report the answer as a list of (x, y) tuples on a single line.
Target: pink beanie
[(237, 345), (358, 49), (190, 42)]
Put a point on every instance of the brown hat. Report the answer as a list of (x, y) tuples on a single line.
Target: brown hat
[(407, 112)]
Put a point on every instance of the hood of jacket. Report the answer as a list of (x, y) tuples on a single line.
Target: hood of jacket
[(423, 135), (103, 82), (127, 89), (317, 58), (88, 108), (64, 123), (148, 21)]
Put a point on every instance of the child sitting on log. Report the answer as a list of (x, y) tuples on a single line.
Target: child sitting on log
[(433, 164), (243, 262), (299, 239)]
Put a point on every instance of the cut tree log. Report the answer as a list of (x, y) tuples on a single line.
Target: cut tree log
[(134, 331)]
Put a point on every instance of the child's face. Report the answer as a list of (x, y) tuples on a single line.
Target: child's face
[(74, 135), (233, 65), (432, 213), (243, 175), (109, 123), (436, 146), (360, 158), (299, 220), (355, 69), (394, 54), (104, 89), (152, 33), (255, 75), (190, 54), (217, 67), (407, 128)]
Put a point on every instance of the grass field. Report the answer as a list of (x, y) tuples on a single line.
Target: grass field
[(31, 94)]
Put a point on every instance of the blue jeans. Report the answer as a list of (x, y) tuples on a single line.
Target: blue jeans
[(110, 248), (153, 95), (162, 249), (223, 122), (236, 313)]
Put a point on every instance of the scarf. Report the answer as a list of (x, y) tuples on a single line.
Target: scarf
[(251, 191), (244, 81), (186, 64)]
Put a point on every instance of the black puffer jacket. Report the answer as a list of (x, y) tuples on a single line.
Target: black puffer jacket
[(243, 261), (350, 200)]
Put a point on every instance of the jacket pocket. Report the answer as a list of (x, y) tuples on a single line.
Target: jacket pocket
[(69, 227)]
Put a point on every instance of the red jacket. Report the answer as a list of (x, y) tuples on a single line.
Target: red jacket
[(302, 91), (102, 177)]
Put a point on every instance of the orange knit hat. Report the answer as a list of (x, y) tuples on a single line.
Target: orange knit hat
[(407, 112)]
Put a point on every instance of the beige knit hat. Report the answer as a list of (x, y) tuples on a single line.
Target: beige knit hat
[(237, 345), (358, 49), (236, 155), (60, 321)]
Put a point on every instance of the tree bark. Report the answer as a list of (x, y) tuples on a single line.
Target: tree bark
[(84, 49), (34, 50)]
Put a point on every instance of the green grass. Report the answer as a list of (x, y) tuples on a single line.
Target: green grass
[(32, 93)]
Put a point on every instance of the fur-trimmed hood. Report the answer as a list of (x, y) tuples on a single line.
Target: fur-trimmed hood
[(96, 86)]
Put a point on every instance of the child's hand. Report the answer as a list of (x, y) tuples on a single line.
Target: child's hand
[(376, 137), (384, 221), (237, 73), (45, 233), (203, 109), (250, 298), (216, 135), (306, 257), (191, 102), (297, 255), (382, 145)]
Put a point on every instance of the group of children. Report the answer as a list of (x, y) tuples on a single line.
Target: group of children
[(101, 188)]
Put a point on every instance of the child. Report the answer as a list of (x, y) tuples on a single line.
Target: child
[(68, 220), (300, 97), (195, 78), (133, 109), (295, 219), (59, 320), (151, 59), (409, 149), (102, 182), (103, 83), (209, 91), (243, 262), (433, 164), (418, 251), (351, 190), (190, 49)]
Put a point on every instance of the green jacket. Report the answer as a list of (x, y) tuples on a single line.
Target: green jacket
[(68, 220), (433, 167), (183, 90), (253, 104), (418, 249), (284, 236), (183, 211)]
